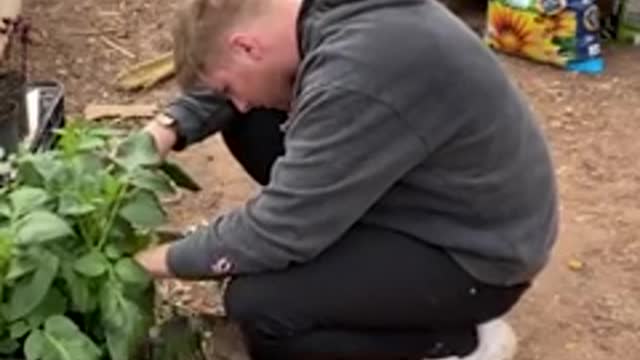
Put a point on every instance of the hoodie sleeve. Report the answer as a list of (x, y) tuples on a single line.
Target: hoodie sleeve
[(344, 150)]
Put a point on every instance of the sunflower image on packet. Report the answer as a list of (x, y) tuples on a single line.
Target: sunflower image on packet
[(564, 33)]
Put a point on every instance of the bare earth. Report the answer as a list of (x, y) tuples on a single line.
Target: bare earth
[(573, 313)]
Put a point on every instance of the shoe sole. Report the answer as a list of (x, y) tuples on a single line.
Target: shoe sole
[(503, 349)]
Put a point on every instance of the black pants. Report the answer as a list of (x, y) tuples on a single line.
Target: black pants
[(375, 294)]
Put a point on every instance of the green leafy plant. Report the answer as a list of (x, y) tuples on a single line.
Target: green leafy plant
[(71, 220)]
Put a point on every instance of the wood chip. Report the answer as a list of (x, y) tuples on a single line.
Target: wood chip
[(96, 112)]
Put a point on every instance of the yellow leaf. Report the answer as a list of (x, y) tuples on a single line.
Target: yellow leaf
[(576, 265), (146, 74)]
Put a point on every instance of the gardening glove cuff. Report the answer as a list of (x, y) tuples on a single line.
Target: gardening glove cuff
[(199, 113)]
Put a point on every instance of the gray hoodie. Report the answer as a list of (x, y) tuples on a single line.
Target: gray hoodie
[(403, 119)]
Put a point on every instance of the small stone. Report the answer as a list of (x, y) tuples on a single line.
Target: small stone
[(568, 110), (556, 124)]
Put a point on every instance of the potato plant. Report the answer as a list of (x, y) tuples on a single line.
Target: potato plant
[(71, 220)]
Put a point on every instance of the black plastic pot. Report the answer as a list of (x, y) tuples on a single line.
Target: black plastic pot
[(12, 109), (9, 132), (50, 117), (51, 114), (14, 122)]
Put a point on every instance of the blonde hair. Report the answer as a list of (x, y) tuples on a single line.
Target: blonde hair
[(198, 33)]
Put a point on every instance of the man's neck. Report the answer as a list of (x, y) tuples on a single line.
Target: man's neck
[(285, 17)]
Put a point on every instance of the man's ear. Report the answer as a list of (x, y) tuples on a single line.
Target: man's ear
[(246, 46)]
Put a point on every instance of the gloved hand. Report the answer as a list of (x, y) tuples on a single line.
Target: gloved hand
[(199, 113)]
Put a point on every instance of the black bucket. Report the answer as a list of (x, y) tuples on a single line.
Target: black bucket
[(9, 132), (12, 110), (50, 115), (40, 134)]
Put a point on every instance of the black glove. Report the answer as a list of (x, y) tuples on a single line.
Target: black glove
[(199, 113)]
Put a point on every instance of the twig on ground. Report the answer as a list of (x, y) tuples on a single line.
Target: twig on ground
[(91, 32), (117, 47)]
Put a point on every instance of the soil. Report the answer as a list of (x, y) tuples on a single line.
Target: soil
[(585, 306)]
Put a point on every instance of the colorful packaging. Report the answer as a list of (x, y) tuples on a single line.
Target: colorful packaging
[(564, 33), (629, 22)]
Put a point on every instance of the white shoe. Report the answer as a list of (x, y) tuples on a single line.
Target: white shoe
[(496, 341)]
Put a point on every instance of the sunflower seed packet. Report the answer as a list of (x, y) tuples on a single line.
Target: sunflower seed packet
[(564, 33)]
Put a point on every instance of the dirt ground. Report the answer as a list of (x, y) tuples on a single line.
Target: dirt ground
[(586, 305)]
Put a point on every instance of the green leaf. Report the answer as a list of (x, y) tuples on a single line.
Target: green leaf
[(179, 176), (107, 132), (121, 230), (39, 169), (64, 339), (129, 271), (20, 267), (6, 248), (8, 346), (5, 167), (111, 186), (134, 244), (30, 291), (28, 173), (89, 143), (82, 298), (125, 324), (19, 329), (143, 210), (92, 264), (112, 252), (5, 210), (147, 179), (110, 306), (35, 345), (26, 199), (125, 240), (42, 226), (55, 303), (71, 205), (89, 164), (137, 150)]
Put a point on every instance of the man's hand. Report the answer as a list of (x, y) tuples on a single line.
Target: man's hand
[(154, 260), (164, 137)]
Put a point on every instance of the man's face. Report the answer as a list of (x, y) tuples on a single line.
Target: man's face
[(253, 76)]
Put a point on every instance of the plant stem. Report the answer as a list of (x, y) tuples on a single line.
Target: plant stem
[(84, 233), (112, 215)]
